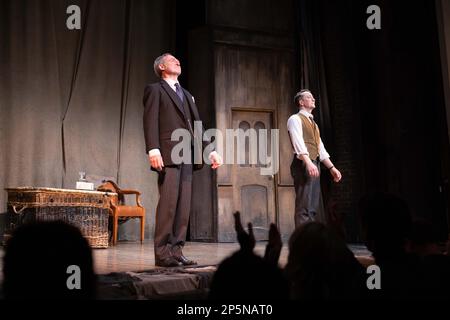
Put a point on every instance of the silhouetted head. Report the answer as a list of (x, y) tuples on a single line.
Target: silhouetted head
[(386, 224), (44, 260), (320, 265)]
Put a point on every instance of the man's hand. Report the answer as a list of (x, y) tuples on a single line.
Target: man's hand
[(337, 176), (216, 160), (312, 169), (246, 240), (156, 162)]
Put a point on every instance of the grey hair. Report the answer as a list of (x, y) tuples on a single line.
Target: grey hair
[(299, 95), (157, 62)]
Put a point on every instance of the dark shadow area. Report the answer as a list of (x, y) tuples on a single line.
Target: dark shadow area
[(48, 260)]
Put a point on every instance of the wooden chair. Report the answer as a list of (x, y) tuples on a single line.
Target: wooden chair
[(120, 211)]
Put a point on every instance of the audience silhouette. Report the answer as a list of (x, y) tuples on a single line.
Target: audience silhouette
[(38, 256), (321, 266), (246, 276), (424, 240), (386, 224), (37, 260)]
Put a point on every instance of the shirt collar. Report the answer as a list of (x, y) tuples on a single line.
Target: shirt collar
[(171, 82), (306, 114)]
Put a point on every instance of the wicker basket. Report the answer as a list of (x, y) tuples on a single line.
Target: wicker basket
[(87, 210)]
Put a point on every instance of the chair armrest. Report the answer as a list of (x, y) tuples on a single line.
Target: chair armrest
[(129, 192), (138, 200), (137, 193)]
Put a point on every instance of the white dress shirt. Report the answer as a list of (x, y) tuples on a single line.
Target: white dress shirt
[(294, 126)]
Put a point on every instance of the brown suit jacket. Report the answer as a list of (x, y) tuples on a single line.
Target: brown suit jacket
[(163, 113)]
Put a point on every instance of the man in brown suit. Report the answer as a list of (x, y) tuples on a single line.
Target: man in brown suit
[(168, 107), (309, 152)]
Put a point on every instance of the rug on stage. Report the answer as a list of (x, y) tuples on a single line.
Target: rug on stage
[(167, 283)]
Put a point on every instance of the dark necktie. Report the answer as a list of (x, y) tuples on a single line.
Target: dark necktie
[(186, 110), (313, 123), (179, 91)]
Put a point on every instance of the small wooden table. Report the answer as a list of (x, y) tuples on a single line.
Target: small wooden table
[(87, 210)]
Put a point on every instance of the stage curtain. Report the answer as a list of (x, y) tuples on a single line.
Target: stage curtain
[(71, 100), (312, 61), (312, 74)]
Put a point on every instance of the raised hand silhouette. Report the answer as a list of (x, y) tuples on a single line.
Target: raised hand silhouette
[(246, 240), (273, 248)]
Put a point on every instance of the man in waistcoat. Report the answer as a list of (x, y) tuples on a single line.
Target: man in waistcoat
[(309, 152)]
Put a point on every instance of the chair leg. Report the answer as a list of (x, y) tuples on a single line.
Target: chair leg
[(115, 227), (142, 228)]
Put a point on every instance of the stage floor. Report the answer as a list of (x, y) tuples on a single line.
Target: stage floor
[(134, 256)]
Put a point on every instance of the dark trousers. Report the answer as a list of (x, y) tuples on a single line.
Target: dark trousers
[(308, 195), (172, 213)]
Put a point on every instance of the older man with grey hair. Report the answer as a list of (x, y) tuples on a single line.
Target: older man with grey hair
[(309, 152), (169, 107)]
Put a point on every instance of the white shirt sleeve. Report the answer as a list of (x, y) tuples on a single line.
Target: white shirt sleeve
[(296, 133), (154, 152)]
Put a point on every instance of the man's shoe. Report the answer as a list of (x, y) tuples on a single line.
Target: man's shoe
[(168, 262), (185, 261)]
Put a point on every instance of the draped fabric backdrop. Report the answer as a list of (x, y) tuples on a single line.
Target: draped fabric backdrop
[(71, 100), (373, 88), (312, 76), (312, 70)]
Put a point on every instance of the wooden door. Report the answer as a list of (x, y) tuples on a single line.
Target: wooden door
[(253, 193)]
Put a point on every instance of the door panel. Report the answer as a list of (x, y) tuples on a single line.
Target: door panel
[(253, 193)]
